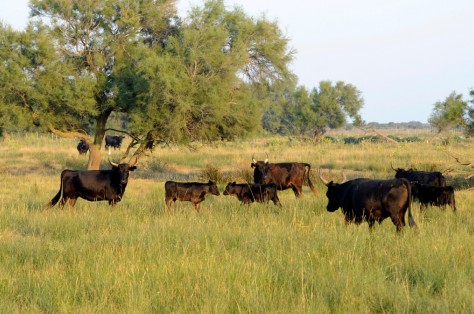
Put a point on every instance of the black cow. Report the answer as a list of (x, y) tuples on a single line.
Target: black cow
[(194, 192), (432, 195), (114, 141), (285, 175), (93, 185), (249, 193), (82, 147), (371, 200), (425, 177)]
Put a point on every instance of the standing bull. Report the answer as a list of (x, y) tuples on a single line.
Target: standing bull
[(82, 147), (285, 175), (428, 194), (249, 193), (94, 185), (371, 200), (114, 141), (425, 177), (194, 192)]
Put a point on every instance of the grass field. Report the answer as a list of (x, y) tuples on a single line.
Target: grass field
[(137, 257)]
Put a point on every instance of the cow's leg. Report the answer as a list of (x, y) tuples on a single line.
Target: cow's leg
[(297, 190), (397, 222), (72, 202), (196, 206), (63, 202), (276, 201), (371, 222)]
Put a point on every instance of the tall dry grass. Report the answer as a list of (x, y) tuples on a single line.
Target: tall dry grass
[(138, 257)]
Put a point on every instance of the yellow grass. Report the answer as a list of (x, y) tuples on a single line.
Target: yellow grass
[(137, 257)]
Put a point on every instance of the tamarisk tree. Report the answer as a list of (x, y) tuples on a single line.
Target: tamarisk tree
[(177, 80)]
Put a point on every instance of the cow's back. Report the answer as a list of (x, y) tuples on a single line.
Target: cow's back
[(380, 195), (285, 174)]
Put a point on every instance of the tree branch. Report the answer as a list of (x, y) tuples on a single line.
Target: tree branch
[(72, 134)]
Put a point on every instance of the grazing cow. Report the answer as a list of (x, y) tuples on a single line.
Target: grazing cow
[(194, 192), (93, 185), (425, 177), (114, 141), (82, 147), (432, 195), (285, 175), (371, 200), (249, 193)]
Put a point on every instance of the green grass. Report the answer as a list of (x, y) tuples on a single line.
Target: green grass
[(137, 257)]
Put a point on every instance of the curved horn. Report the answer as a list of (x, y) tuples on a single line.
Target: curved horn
[(111, 162), (253, 159), (392, 166), (326, 182)]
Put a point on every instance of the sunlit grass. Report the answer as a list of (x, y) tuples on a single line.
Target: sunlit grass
[(139, 257)]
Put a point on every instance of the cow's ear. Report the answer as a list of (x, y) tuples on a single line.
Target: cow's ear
[(253, 165), (132, 168)]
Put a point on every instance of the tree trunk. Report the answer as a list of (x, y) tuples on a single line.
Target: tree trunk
[(94, 155)]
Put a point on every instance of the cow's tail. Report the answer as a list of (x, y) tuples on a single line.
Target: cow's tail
[(411, 221), (56, 198), (311, 186)]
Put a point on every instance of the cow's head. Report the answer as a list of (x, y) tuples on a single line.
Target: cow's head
[(213, 188), (123, 169), (230, 189), (447, 197), (400, 172), (333, 193), (261, 171)]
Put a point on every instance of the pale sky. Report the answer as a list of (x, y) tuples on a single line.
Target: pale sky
[(403, 55)]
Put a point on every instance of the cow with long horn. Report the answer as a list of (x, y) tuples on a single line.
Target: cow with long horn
[(94, 185), (285, 175), (371, 200)]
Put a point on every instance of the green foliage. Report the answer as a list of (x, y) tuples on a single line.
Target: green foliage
[(470, 116), (378, 139), (449, 113), (207, 77), (311, 113), (201, 83)]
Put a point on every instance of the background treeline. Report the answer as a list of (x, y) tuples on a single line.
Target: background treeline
[(82, 69)]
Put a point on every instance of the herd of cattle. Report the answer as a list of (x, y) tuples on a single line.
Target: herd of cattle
[(360, 199), (114, 141)]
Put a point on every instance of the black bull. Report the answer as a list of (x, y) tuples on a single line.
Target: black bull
[(371, 200), (93, 185), (82, 147), (428, 194), (425, 177), (285, 175), (114, 141)]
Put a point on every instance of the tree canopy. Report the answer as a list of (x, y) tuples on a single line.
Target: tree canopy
[(449, 113), (310, 113), (201, 78)]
